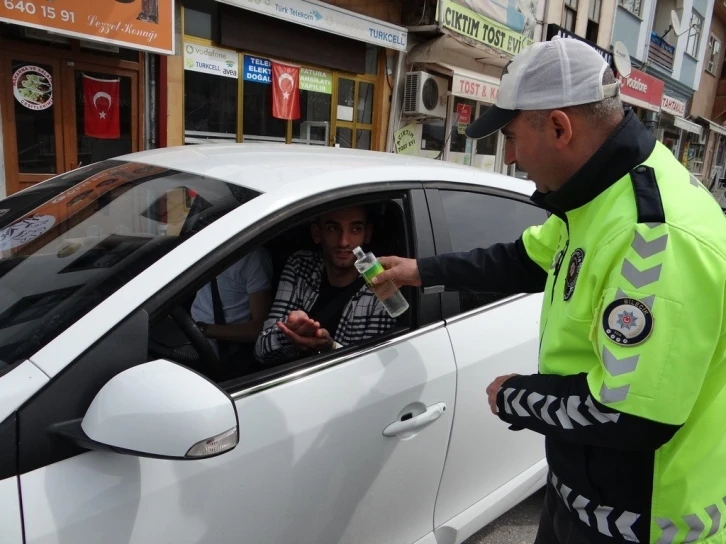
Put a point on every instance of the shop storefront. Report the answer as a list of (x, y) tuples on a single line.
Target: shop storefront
[(73, 83), (668, 132), (324, 84), (644, 93), (468, 55)]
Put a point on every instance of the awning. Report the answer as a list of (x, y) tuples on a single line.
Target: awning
[(472, 85), (718, 129), (688, 126), (444, 48)]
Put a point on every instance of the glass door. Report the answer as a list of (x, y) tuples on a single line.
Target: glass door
[(103, 115), (354, 113), (31, 96)]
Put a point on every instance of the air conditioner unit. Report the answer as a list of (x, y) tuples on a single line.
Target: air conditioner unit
[(425, 95)]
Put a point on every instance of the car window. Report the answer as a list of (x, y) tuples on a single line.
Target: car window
[(479, 220), (68, 244)]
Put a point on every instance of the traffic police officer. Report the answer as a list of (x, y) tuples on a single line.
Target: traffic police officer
[(631, 389)]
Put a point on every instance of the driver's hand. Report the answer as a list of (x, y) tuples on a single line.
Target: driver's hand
[(299, 323), (319, 341)]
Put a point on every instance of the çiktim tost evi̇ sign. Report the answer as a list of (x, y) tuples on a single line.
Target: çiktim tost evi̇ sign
[(138, 24), (642, 90), (479, 28)]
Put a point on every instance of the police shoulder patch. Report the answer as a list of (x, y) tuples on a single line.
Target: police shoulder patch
[(627, 321), (573, 270)]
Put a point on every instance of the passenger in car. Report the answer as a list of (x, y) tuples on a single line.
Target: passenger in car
[(231, 309), (322, 303)]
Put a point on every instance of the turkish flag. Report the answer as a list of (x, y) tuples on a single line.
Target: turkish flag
[(101, 108), (285, 91)]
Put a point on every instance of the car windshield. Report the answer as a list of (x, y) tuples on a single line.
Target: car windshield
[(69, 243)]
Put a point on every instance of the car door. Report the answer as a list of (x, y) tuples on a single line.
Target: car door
[(492, 335), (10, 515), (317, 459)]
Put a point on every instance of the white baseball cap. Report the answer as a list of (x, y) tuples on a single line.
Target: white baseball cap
[(548, 75)]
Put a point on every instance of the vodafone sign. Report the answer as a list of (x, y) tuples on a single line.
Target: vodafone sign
[(642, 90), (673, 106)]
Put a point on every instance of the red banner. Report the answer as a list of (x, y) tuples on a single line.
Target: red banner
[(285, 91), (101, 108)]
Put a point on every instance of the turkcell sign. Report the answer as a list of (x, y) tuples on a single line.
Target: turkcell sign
[(328, 18), (258, 70)]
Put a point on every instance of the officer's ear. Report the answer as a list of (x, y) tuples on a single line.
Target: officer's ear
[(562, 127)]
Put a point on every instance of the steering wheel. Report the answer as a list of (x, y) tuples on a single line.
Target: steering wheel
[(197, 338)]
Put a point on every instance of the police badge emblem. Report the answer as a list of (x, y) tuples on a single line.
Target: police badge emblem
[(573, 270), (627, 321)]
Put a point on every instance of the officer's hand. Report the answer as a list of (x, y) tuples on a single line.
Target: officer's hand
[(401, 271), (493, 390)]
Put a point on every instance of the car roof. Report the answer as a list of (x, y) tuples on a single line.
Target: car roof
[(270, 167)]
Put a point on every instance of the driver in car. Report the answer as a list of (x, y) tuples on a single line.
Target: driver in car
[(322, 303)]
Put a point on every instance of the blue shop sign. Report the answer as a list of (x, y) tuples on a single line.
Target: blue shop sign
[(258, 70)]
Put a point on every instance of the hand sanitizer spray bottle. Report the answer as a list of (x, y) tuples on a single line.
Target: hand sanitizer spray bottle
[(390, 296)]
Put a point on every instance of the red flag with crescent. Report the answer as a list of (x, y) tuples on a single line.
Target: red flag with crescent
[(285, 91), (101, 108)]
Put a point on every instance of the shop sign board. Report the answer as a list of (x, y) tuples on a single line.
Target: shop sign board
[(405, 140), (328, 18), (672, 106), (147, 25), (642, 90), (211, 60), (259, 70), (480, 90), (479, 28)]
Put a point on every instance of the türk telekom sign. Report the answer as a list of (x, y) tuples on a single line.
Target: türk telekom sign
[(673, 106), (642, 90)]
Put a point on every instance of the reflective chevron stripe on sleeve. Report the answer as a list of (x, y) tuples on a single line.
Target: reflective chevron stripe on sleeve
[(604, 519), (692, 527), (563, 412), (638, 279)]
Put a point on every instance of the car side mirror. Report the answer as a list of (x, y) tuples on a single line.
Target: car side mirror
[(160, 410)]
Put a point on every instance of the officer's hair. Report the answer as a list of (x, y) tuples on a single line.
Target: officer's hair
[(603, 114)]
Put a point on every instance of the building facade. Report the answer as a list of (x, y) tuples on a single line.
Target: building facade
[(77, 83), (667, 62), (451, 74), (707, 156), (221, 87)]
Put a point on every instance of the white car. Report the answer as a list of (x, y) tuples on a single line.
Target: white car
[(112, 430)]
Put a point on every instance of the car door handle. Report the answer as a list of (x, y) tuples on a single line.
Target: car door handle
[(432, 413)]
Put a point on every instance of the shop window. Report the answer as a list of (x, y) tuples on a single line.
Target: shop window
[(258, 122), (714, 51), (460, 146), (34, 126), (633, 6), (200, 19), (210, 107), (694, 34), (569, 15), (433, 137), (486, 148), (313, 127)]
